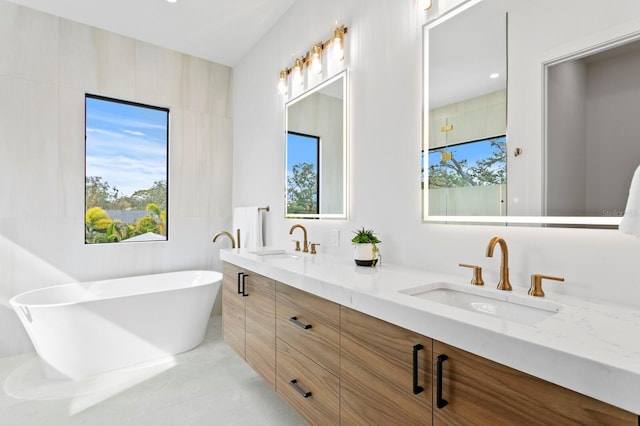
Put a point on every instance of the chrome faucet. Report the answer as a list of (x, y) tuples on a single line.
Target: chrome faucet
[(225, 233), (504, 283), (305, 245)]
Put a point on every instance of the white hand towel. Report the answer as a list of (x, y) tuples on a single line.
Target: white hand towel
[(630, 223), (249, 221)]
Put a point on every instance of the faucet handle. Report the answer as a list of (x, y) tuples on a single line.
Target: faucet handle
[(536, 284), (313, 247), (477, 273), (297, 244)]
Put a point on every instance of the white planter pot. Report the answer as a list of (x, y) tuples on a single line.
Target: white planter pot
[(365, 255)]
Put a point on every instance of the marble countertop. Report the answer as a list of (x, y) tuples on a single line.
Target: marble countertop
[(588, 347)]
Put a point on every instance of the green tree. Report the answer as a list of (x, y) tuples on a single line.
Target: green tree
[(99, 193), (159, 216), (455, 173), (302, 189), (157, 195)]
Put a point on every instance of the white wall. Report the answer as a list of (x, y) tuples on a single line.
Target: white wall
[(47, 65), (384, 57)]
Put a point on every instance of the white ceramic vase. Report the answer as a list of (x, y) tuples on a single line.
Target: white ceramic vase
[(365, 254)]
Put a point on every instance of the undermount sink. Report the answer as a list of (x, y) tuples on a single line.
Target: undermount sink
[(508, 306), (275, 254)]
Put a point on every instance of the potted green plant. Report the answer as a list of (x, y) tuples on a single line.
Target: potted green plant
[(366, 252)]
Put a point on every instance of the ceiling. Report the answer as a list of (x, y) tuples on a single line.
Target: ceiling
[(221, 31)]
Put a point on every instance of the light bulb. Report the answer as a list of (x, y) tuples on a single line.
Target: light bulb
[(297, 72), (316, 59), (282, 85), (338, 44)]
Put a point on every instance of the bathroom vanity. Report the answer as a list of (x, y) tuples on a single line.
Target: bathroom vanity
[(350, 345)]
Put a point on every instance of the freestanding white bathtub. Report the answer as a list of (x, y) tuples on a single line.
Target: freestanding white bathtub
[(84, 329)]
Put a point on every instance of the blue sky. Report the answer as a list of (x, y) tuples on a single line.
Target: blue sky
[(301, 149), (126, 144)]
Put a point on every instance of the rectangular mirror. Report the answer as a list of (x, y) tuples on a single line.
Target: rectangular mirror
[(569, 153), (316, 152), (126, 169), (464, 148)]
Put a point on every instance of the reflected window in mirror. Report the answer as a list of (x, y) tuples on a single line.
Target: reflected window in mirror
[(303, 173), (126, 170), (319, 113), (468, 178)]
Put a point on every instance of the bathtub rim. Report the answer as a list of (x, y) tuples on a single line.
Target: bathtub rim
[(17, 305)]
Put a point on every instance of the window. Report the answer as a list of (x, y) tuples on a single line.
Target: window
[(126, 171), (303, 173), (477, 163)]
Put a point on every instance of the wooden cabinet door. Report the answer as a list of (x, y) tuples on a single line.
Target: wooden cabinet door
[(261, 326), (233, 309), (482, 392), (377, 372)]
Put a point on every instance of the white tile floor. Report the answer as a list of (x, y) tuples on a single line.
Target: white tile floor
[(209, 385)]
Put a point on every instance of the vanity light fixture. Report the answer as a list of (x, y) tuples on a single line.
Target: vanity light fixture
[(426, 4), (494, 75), (313, 60), (172, 1)]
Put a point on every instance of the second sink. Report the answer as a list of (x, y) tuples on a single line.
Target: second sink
[(511, 307)]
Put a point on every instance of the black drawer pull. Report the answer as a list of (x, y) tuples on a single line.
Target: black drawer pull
[(416, 389), (244, 286), (240, 274), (294, 383), (440, 402), (299, 324)]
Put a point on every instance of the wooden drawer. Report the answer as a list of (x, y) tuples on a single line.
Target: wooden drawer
[(320, 341), (321, 405)]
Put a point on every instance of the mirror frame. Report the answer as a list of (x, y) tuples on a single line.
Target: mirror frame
[(344, 75), (604, 222)]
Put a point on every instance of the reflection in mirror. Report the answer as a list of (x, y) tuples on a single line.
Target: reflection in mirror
[(572, 94), (303, 172), (465, 95), (592, 151), (316, 151), (126, 147)]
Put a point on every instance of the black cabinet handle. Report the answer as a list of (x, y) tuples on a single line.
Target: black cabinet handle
[(240, 274), (440, 402), (244, 286), (416, 389), (300, 324), (294, 383)]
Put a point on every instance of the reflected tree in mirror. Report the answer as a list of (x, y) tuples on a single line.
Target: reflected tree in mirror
[(125, 171)]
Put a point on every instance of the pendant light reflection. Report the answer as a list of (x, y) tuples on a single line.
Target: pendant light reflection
[(313, 61)]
